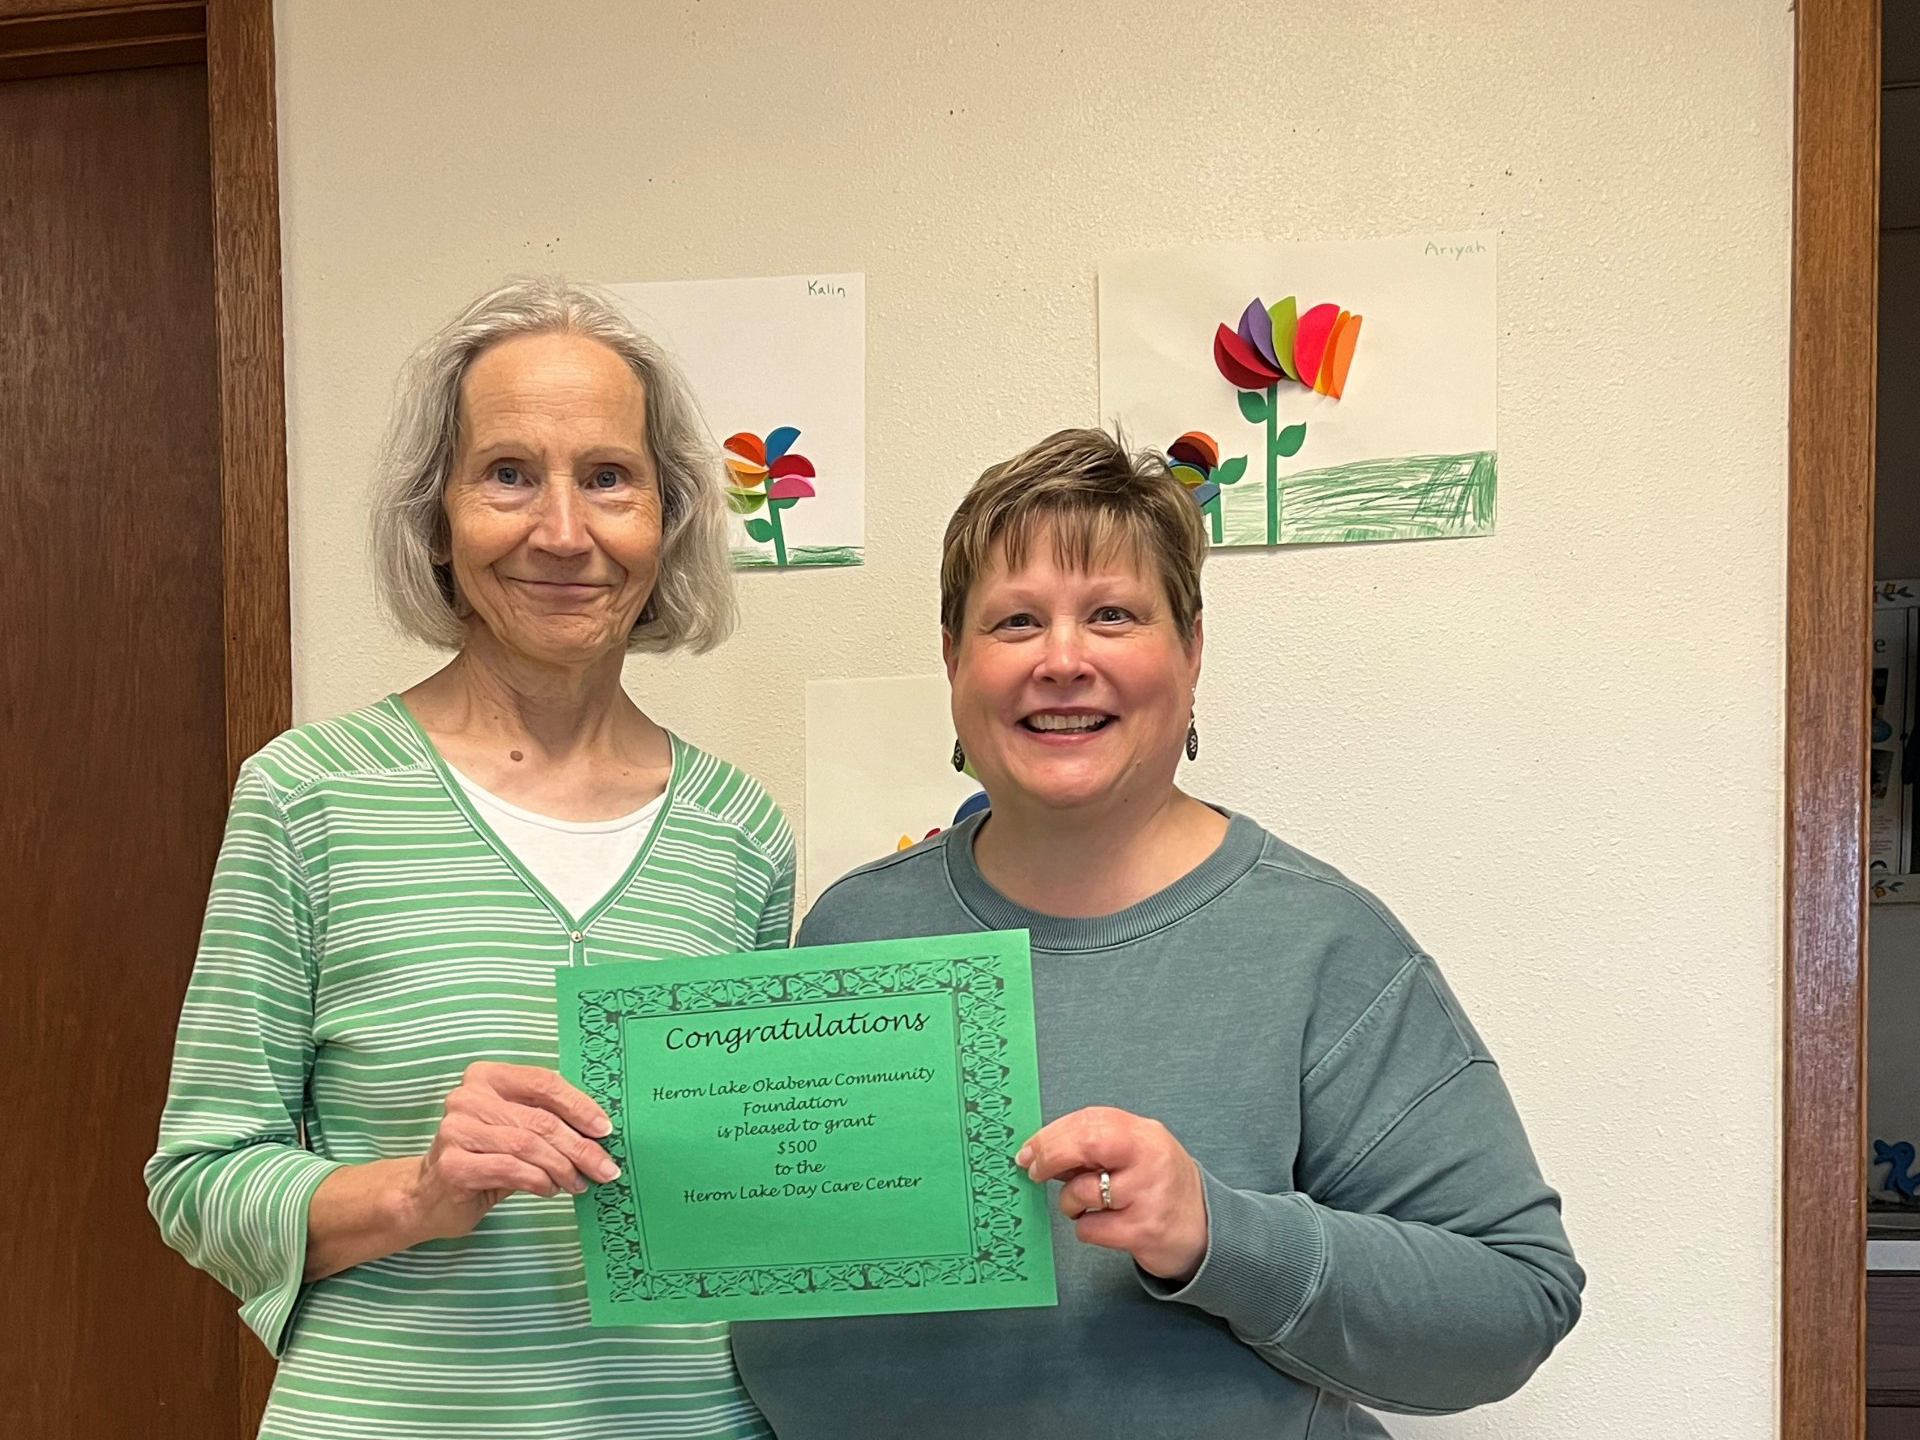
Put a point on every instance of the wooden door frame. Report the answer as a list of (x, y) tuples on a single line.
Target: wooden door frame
[(235, 39), (1829, 615)]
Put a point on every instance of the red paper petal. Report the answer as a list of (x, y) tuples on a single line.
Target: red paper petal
[(789, 487), (1310, 341), (1238, 362), (1202, 442), (792, 465), (748, 445)]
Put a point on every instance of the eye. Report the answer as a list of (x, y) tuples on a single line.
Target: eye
[(1111, 615), (1021, 621), (605, 478), (509, 474)]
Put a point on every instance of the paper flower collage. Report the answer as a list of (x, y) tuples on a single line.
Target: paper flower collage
[(767, 472), (1196, 464), (1276, 343)]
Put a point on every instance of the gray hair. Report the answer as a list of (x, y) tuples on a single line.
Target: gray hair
[(692, 604)]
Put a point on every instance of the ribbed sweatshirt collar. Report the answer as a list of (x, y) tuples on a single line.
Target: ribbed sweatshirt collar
[(1236, 854)]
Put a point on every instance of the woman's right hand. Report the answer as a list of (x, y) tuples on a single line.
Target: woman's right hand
[(505, 1128)]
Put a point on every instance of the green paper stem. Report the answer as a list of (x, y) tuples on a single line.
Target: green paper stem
[(774, 507), (1273, 465)]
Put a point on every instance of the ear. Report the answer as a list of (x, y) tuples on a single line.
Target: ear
[(1194, 647), (949, 654)]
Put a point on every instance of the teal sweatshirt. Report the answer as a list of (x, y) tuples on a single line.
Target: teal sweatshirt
[(1379, 1234)]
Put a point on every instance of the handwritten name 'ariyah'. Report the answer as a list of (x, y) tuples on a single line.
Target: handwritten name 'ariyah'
[(1455, 252), (818, 1028)]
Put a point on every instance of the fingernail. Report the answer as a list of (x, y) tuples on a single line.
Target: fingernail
[(613, 1173), (1026, 1154), (602, 1126)]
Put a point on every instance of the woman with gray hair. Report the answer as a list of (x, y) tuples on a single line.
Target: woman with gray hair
[(365, 1138)]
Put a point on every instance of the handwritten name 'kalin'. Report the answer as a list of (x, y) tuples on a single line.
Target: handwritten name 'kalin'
[(818, 1028)]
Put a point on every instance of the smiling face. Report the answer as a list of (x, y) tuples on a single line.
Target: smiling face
[(552, 503), (1072, 688)]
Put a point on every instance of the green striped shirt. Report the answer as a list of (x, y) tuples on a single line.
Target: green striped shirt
[(366, 939)]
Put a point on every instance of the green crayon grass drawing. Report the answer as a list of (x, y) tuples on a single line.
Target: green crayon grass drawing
[(1408, 497)]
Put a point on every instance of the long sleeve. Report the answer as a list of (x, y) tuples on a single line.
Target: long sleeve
[(230, 1182), (775, 930), (1421, 1265)]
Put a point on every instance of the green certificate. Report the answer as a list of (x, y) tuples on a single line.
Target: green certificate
[(827, 1131)]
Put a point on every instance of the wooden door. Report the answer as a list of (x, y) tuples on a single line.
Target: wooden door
[(118, 693)]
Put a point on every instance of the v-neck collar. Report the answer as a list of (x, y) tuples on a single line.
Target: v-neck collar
[(456, 792)]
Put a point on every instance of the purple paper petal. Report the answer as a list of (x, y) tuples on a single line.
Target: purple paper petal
[(1256, 328)]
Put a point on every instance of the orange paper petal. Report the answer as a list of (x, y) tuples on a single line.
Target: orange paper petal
[(1326, 355), (1337, 367), (748, 445)]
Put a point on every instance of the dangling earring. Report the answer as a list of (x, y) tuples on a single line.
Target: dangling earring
[(959, 757), (1193, 741)]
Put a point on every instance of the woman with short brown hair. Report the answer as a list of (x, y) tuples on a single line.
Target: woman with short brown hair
[(1292, 1187)]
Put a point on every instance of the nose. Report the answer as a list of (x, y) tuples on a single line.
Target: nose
[(560, 526), (1064, 658)]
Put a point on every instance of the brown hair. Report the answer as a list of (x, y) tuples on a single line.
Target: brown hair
[(1094, 499)]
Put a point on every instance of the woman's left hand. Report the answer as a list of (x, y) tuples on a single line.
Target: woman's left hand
[(1158, 1214)]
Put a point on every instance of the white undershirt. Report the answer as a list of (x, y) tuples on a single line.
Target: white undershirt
[(579, 861)]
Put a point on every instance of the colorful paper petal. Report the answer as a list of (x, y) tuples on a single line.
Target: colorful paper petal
[(1196, 447), (1189, 476), (780, 441), (1256, 328), (1206, 492), (1285, 320), (746, 471), (745, 502), (1342, 360), (748, 445), (1310, 341), (790, 487), (1238, 362), (1326, 358), (792, 465)]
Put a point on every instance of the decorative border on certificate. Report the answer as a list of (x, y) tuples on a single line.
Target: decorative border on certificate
[(975, 985)]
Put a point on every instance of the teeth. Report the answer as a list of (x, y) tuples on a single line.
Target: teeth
[(1066, 722)]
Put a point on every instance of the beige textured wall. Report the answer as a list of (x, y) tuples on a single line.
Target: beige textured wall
[(1556, 752)]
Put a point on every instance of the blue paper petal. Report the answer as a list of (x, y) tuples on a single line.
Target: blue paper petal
[(1203, 493), (780, 441)]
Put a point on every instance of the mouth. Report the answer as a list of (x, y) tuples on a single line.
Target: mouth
[(1066, 723), (569, 589)]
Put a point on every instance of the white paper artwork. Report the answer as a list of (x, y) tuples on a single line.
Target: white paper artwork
[(780, 366), (879, 771), (1310, 393)]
